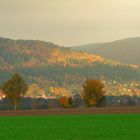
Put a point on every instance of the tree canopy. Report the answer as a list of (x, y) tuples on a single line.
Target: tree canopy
[(93, 92), (14, 89)]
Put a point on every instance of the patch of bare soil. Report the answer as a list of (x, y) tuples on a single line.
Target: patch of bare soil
[(109, 110)]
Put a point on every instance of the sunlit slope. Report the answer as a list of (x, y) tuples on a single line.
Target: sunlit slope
[(41, 61)]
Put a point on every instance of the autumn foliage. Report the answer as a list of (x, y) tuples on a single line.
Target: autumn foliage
[(64, 101), (93, 92), (14, 89)]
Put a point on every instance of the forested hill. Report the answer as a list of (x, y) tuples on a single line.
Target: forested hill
[(125, 51), (32, 53), (48, 64)]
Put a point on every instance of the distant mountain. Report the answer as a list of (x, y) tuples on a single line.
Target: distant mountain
[(125, 51), (49, 65)]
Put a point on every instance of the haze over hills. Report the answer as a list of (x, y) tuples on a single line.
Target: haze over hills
[(125, 50), (50, 65)]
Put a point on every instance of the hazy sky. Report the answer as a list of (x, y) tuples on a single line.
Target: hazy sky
[(70, 22)]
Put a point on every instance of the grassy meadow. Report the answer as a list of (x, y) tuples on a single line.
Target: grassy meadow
[(71, 127)]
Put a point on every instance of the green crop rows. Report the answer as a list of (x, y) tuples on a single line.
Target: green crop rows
[(71, 127)]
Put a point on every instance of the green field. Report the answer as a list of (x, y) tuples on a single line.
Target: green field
[(71, 127)]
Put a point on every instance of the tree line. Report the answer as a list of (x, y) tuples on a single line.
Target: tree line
[(15, 88)]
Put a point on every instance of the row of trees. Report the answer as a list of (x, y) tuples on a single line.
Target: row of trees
[(16, 88)]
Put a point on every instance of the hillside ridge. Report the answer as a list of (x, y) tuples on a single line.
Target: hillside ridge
[(125, 50)]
